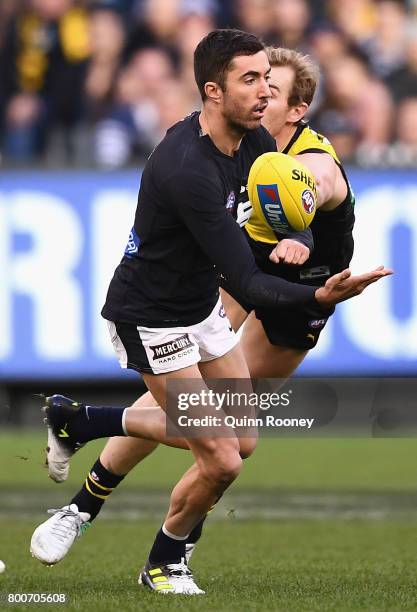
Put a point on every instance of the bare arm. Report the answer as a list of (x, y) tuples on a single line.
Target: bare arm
[(331, 191), (331, 186)]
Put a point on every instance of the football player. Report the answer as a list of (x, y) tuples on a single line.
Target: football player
[(196, 229), (274, 346)]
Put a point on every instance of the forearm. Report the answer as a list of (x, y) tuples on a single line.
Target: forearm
[(305, 237), (267, 290)]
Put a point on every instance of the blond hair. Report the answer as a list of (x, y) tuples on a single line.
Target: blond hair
[(306, 73)]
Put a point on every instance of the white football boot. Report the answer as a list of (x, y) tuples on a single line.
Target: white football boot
[(59, 412), (52, 539), (170, 578)]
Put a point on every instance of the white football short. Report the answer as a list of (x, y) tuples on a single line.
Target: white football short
[(158, 350)]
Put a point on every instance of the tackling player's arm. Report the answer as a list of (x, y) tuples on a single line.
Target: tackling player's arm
[(331, 191), (293, 248), (331, 186)]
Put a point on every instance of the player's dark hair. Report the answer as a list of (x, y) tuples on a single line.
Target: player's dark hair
[(215, 52)]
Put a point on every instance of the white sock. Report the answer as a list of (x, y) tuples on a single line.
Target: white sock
[(172, 535)]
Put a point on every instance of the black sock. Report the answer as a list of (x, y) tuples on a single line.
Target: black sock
[(96, 489), (166, 549), (93, 422), (195, 534)]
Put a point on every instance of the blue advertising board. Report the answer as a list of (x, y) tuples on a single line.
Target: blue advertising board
[(63, 233)]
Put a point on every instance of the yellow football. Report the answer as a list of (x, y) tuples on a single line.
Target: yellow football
[(282, 191)]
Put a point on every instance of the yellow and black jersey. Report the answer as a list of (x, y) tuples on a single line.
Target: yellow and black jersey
[(306, 140), (47, 57), (40, 43)]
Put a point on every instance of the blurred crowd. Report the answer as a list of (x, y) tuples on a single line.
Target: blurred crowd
[(98, 82)]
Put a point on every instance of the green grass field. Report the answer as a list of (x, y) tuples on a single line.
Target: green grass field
[(310, 525)]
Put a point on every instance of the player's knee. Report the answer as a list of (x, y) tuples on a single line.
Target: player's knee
[(247, 446), (223, 467), (228, 469)]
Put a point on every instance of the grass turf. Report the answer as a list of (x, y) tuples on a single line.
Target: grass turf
[(368, 464), (302, 564), (243, 565)]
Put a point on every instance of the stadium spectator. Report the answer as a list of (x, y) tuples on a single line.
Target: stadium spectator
[(406, 127), (328, 42), (7, 10), (254, 16), (403, 82), (356, 18), (357, 101), (148, 101), (385, 48), (291, 22), (107, 39), (404, 150), (155, 24), (42, 71), (195, 25), (66, 68), (163, 18)]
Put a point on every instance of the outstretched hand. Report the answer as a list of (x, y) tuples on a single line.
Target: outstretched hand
[(290, 252), (343, 285)]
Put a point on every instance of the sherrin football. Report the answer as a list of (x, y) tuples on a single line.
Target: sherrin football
[(282, 191)]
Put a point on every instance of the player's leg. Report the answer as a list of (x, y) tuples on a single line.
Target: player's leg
[(264, 359), (53, 538), (218, 461), (217, 465), (153, 426), (216, 457), (118, 457), (121, 454), (221, 368), (211, 370)]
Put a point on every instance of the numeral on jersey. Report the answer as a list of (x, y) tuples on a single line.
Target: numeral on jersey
[(243, 213)]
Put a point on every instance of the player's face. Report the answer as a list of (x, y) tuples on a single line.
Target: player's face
[(278, 111), (246, 92)]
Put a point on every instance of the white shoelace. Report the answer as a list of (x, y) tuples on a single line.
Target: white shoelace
[(181, 572), (67, 524)]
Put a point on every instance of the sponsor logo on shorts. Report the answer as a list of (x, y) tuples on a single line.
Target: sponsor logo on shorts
[(171, 348), (309, 201), (230, 202), (317, 323), (222, 312), (272, 207)]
